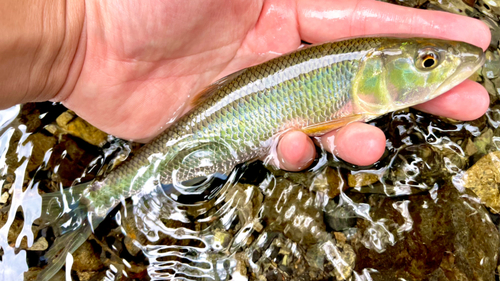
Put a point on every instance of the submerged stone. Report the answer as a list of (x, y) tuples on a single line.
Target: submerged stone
[(40, 245), (295, 211), (330, 182), (356, 179), (483, 178), (341, 256), (41, 144), (451, 238), (453, 6), (340, 217), (85, 258), (70, 124)]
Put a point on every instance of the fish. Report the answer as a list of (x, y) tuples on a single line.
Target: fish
[(315, 89)]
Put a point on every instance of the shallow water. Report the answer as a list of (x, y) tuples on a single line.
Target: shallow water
[(428, 210)]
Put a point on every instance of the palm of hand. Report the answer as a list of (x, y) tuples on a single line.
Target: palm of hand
[(144, 63)]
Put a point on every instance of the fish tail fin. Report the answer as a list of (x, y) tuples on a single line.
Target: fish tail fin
[(67, 243), (67, 213), (66, 203)]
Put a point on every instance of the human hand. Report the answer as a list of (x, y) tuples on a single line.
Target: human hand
[(138, 65)]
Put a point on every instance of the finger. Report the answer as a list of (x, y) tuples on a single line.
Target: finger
[(295, 151), (467, 101), (326, 20), (357, 143)]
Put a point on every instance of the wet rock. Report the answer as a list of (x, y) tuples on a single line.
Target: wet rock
[(339, 236), (4, 197), (483, 178), (331, 258), (339, 217), (342, 257), (357, 179), (137, 271), (330, 182), (418, 166), (133, 235), (86, 258), (470, 148), (483, 142), (221, 240), (470, 2), (451, 237), (453, 6), (14, 231), (41, 144), (33, 272), (40, 245), (304, 178), (246, 199), (240, 271), (294, 211), (491, 68), (71, 159), (490, 5), (30, 116), (274, 257), (70, 124), (90, 275), (410, 3), (402, 127)]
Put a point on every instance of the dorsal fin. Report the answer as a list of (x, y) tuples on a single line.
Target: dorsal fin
[(212, 88)]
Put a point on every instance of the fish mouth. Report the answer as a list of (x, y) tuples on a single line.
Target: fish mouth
[(470, 64)]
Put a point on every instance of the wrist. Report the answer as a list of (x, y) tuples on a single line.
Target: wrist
[(42, 49)]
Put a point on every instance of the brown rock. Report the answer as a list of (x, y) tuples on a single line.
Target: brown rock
[(453, 6), (483, 178), (357, 179), (4, 197), (451, 238), (339, 236), (470, 2), (330, 182), (65, 117), (33, 272), (30, 116), (247, 199), (72, 158), (86, 275), (40, 245), (293, 210), (80, 128), (41, 144), (470, 148), (85, 258)]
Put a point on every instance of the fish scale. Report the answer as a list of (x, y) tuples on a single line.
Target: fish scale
[(283, 90), (239, 114), (315, 89)]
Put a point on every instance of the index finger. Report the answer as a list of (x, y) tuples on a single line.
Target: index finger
[(327, 20)]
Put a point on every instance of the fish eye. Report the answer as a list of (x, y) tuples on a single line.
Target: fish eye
[(428, 60)]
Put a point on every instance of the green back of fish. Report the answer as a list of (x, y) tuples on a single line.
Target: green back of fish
[(235, 119)]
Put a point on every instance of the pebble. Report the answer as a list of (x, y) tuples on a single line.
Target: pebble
[(40, 245), (4, 197)]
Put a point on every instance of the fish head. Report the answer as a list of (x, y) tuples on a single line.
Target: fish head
[(405, 72)]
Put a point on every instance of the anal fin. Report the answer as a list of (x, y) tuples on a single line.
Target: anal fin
[(325, 127)]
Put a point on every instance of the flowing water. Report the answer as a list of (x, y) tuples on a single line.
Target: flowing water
[(428, 210)]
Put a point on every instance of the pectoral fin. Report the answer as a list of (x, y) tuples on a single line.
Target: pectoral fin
[(325, 127), (202, 96)]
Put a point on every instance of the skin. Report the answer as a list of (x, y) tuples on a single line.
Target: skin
[(136, 68)]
